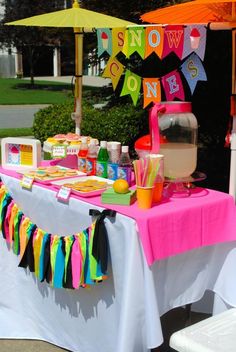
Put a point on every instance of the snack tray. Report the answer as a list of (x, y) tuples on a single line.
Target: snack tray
[(48, 179), (59, 183)]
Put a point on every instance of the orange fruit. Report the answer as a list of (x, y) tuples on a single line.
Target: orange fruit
[(121, 186)]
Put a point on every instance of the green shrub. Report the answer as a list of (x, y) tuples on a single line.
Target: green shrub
[(52, 120), (124, 123)]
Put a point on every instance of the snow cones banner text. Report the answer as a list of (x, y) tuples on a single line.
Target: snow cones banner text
[(187, 42), (71, 261)]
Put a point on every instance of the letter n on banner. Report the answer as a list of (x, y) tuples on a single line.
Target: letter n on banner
[(151, 91), (173, 86), (132, 85), (136, 41)]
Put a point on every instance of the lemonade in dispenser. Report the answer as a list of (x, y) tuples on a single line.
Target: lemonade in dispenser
[(174, 123)]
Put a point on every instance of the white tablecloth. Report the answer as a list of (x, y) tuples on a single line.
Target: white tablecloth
[(121, 314)]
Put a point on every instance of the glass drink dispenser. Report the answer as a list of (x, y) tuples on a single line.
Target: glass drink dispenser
[(177, 127)]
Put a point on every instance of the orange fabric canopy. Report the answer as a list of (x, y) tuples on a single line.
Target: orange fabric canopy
[(196, 11)]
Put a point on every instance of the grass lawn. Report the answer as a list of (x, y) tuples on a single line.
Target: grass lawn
[(15, 91)]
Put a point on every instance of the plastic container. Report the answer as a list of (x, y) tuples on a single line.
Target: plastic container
[(102, 160), (125, 165), (91, 158), (114, 157), (82, 155)]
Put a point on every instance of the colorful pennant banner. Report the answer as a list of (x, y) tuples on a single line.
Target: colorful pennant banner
[(187, 42), (182, 40), (193, 71), (195, 41), (104, 39), (132, 85), (63, 261), (173, 40), (113, 70), (155, 40)]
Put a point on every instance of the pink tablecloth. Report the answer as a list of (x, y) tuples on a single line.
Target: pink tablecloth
[(177, 225)]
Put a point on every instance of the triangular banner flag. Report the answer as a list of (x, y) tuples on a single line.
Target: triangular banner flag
[(113, 70), (136, 41), (118, 38), (173, 86), (173, 40), (151, 91), (195, 40), (193, 71), (104, 39), (154, 40), (132, 85)]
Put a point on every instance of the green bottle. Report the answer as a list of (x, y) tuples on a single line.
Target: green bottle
[(102, 160)]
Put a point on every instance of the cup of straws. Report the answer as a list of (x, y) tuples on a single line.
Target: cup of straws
[(149, 179)]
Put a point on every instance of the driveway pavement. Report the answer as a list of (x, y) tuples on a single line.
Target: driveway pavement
[(18, 116)]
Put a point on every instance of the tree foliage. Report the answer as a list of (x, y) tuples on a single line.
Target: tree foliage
[(27, 39), (128, 10)]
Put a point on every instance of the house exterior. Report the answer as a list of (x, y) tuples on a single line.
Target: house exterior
[(7, 58)]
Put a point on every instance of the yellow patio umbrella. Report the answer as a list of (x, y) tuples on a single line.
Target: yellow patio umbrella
[(218, 14), (81, 20)]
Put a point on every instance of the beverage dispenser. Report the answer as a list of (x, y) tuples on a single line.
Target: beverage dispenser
[(173, 133)]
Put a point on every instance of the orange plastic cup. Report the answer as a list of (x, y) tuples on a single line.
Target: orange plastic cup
[(157, 192), (144, 197)]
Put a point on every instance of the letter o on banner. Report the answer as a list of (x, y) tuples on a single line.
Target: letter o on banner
[(154, 38), (132, 84)]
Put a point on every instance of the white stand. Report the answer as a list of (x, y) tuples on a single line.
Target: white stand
[(232, 177)]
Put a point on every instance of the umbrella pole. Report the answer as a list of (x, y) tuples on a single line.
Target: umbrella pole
[(78, 78), (232, 176)]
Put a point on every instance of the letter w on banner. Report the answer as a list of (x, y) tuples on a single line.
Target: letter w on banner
[(173, 40), (193, 71), (151, 91)]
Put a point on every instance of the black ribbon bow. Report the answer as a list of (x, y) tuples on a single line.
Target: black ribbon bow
[(100, 239)]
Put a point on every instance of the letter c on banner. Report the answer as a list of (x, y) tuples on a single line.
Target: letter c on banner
[(114, 68)]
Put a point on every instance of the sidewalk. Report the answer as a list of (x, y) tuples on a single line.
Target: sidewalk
[(93, 81)]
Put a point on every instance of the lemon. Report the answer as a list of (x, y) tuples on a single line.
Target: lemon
[(121, 186)]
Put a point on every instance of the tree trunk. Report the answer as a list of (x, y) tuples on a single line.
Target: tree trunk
[(31, 65)]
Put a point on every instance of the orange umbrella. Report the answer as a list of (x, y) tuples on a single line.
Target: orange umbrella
[(218, 14), (196, 11)]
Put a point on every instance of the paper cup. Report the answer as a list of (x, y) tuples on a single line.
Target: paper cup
[(144, 197), (159, 181), (157, 192)]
